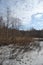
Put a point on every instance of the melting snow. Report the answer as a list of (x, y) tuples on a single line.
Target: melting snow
[(11, 55)]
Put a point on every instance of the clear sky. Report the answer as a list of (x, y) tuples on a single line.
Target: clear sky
[(29, 11)]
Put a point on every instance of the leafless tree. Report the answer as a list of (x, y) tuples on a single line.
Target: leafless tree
[(1, 20), (8, 16), (16, 23)]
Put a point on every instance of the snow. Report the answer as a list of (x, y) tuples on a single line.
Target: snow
[(11, 55)]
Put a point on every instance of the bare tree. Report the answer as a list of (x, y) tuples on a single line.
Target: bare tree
[(8, 17), (1, 20), (8, 14), (16, 23)]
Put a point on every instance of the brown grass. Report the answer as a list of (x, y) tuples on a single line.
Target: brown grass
[(9, 36)]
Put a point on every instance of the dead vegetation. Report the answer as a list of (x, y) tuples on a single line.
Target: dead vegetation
[(17, 37), (12, 36)]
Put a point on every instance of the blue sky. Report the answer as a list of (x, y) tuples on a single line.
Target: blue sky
[(29, 11)]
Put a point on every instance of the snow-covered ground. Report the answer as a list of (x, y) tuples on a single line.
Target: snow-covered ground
[(11, 55)]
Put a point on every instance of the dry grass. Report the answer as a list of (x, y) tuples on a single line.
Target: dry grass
[(9, 36)]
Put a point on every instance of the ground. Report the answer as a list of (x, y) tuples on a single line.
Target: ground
[(11, 55)]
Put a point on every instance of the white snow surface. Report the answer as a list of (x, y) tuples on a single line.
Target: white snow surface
[(10, 55)]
